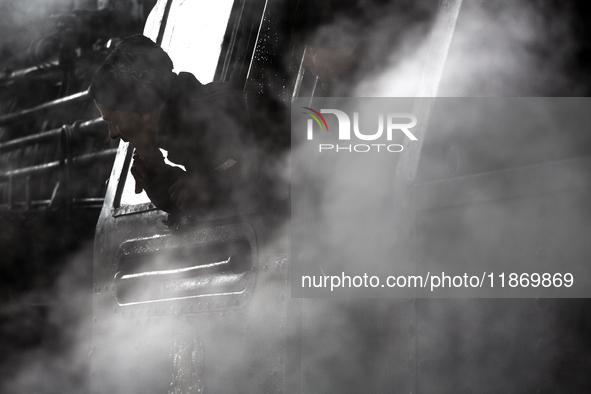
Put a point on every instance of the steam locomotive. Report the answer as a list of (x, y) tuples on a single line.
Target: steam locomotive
[(203, 303)]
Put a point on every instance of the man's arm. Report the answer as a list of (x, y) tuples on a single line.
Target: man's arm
[(155, 177)]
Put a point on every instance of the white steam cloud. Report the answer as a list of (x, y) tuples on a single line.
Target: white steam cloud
[(368, 345)]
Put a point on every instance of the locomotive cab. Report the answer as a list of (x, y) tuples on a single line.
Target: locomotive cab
[(175, 307), (203, 303)]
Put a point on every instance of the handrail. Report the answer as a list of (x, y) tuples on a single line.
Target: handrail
[(61, 196), (16, 143), (78, 160), (78, 202), (15, 116)]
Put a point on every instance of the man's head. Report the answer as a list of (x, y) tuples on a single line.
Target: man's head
[(131, 85), (135, 77), (131, 127)]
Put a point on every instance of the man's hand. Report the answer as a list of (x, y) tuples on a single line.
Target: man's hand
[(190, 191), (140, 173), (155, 177)]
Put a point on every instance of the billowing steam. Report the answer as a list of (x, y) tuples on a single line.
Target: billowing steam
[(369, 345), (23, 23), (499, 48)]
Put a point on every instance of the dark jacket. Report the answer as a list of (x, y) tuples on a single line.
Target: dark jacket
[(206, 129), (203, 126)]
